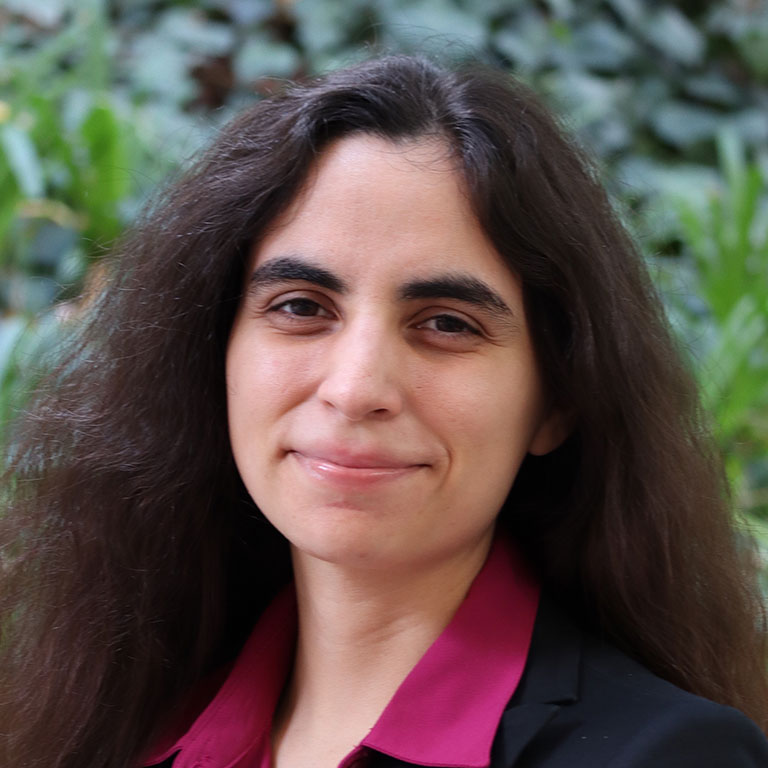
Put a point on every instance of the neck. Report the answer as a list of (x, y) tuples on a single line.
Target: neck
[(360, 634)]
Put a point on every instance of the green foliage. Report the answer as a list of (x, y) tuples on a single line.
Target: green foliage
[(70, 161), (717, 291), (99, 100)]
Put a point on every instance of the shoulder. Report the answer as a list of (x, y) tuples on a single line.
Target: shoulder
[(654, 723), (598, 708)]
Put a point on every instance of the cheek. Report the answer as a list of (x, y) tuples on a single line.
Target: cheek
[(491, 427), (262, 380), (252, 394)]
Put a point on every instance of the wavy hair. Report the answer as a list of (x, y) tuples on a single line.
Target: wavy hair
[(133, 562)]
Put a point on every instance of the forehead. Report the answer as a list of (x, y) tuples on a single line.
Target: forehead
[(374, 208)]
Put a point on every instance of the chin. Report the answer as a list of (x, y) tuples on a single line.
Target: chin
[(348, 553), (347, 544)]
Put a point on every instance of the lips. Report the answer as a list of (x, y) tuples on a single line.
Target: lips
[(344, 466)]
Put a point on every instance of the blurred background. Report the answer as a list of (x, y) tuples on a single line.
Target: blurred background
[(101, 100)]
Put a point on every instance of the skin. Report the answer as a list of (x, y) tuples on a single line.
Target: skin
[(382, 393)]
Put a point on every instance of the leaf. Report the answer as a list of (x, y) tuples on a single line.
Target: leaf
[(724, 236), (45, 13), (731, 386), (670, 32), (587, 97), (525, 40), (9, 199), (321, 27), (22, 158), (752, 125), (488, 10), (561, 9), (602, 46), (435, 25), (102, 135), (682, 124), (191, 31), (244, 12), (713, 86), (630, 11), (160, 68), (261, 57), (49, 244)]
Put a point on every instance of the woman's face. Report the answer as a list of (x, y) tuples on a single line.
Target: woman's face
[(382, 386)]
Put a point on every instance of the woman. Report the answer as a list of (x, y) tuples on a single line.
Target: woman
[(384, 367)]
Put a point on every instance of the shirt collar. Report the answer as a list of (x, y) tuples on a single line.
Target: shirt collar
[(446, 711)]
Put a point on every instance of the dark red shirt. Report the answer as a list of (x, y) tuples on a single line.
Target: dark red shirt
[(445, 713)]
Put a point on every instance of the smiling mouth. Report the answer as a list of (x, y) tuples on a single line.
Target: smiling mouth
[(354, 471)]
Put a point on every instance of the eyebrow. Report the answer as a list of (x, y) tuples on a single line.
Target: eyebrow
[(461, 287), (291, 268)]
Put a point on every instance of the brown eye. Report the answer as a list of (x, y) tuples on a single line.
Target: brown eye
[(300, 307), (450, 324)]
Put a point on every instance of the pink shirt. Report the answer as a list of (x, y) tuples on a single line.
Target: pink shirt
[(445, 713)]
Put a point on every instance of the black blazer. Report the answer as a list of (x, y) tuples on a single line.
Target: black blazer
[(584, 704)]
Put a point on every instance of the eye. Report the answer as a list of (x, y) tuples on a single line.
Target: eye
[(450, 325), (300, 307), (299, 315)]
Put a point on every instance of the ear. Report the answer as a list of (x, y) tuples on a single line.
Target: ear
[(551, 433)]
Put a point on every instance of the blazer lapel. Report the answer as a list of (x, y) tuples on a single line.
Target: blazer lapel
[(519, 725), (550, 682)]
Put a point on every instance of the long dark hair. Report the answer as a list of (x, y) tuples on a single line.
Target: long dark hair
[(133, 561)]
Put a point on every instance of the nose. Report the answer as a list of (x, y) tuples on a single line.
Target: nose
[(361, 375)]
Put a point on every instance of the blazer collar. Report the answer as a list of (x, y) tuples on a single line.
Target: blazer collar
[(550, 681), (554, 661)]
